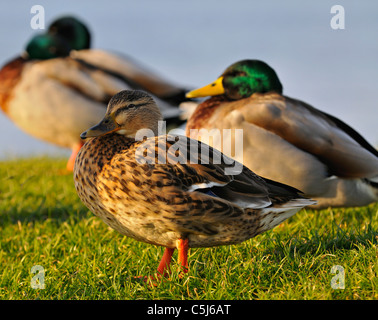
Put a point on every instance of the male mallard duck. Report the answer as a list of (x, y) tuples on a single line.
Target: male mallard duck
[(77, 34), (288, 140), (54, 97), (149, 190)]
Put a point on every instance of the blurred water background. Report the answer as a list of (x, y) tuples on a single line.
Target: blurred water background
[(192, 42)]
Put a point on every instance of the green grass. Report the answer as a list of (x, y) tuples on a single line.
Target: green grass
[(43, 222)]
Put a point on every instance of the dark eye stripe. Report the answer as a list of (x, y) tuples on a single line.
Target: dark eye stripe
[(129, 106)]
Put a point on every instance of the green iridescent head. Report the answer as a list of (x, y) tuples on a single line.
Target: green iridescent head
[(46, 46), (241, 80), (73, 31)]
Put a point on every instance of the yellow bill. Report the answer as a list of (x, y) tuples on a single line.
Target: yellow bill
[(213, 89)]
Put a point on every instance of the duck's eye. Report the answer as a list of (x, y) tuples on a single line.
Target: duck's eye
[(131, 105)]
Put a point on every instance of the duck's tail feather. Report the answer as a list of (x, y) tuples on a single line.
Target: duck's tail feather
[(273, 216), (372, 182)]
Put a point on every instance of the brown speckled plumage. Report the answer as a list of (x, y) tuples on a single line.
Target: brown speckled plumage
[(160, 203)]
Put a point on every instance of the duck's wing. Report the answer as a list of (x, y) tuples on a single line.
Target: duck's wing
[(201, 168), (95, 83), (206, 187), (92, 83), (344, 151), (55, 100), (133, 73)]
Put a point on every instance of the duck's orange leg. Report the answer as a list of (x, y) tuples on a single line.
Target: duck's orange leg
[(162, 269), (183, 247), (165, 261), (71, 160)]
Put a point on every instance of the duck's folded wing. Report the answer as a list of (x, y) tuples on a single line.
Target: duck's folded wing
[(132, 72), (201, 168), (205, 187), (90, 82), (345, 152)]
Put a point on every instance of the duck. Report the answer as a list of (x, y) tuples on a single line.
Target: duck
[(137, 75), (285, 139), (165, 190), (53, 92)]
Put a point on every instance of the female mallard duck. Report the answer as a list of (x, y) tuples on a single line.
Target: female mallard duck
[(288, 140), (54, 96), (148, 189)]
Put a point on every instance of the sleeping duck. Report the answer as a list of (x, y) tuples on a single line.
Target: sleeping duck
[(54, 93), (288, 140), (78, 36)]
